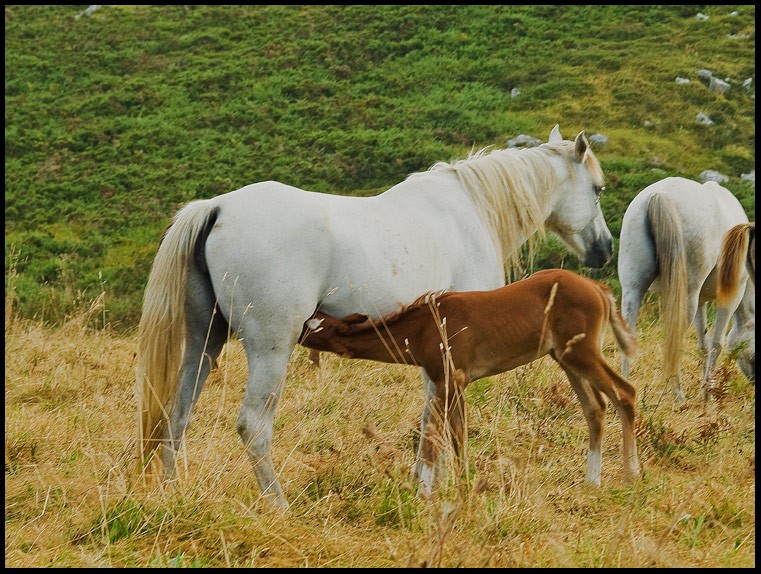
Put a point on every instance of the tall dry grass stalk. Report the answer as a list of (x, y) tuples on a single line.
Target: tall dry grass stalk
[(345, 442)]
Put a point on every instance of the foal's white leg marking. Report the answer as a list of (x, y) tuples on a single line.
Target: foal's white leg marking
[(594, 467)]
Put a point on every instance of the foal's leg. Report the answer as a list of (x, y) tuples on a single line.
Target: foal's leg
[(593, 405), (596, 371), (206, 334)]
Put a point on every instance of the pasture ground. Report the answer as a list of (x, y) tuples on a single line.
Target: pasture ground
[(345, 438)]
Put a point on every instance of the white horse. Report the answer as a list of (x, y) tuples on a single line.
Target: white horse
[(258, 261), (670, 240)]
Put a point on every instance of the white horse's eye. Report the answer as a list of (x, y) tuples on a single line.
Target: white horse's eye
[(598, 189)]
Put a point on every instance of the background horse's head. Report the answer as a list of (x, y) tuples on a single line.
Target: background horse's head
[(576, 215)]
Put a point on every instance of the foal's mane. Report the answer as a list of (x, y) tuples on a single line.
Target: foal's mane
[(510, 188), (424, 300)]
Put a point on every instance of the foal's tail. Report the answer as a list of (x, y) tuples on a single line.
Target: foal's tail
[(161, 333), (666, 228), (627, 342), (733, 256)]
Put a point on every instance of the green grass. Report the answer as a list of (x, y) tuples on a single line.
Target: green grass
[(115, 120)]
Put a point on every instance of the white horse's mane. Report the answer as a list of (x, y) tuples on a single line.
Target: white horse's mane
[(510, 188)]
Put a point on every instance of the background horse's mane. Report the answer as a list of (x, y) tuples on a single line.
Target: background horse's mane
[(510, 189)]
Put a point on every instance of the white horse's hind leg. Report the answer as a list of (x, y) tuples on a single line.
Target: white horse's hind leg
[(701, 328), (206, 334), (267, 363), (723, 315), (199, 359)]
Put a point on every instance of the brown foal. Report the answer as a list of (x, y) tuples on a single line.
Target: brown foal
[(458, 337)]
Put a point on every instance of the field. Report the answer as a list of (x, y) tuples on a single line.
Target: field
[(345, 438)]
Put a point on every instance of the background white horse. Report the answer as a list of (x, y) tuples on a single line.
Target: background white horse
[(258, 262), (670, 239)]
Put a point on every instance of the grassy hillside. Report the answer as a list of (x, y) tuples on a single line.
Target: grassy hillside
[(115, 119)]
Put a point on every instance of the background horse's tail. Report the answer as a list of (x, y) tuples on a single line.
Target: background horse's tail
[(161, 333), (666, 229), (626, 340), (734, 253)]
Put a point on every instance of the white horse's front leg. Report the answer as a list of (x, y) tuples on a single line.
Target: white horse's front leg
[(421, 468), (257, 415)]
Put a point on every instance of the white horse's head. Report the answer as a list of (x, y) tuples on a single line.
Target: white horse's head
[(576, 215)]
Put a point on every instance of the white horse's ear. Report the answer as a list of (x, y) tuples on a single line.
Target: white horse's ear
[(581, 145), (555, 136)]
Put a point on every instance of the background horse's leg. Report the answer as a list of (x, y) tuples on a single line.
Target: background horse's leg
[(206, 334), (720, 324), (700, 322), (593, 405), (631, 299), (268, 353)]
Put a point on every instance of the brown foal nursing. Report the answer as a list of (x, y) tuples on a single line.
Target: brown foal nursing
[(458, 337)]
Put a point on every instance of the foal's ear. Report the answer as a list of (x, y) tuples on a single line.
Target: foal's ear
[(581, 145), (555, 136)]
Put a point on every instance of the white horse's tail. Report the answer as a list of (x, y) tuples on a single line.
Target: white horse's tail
[(733, 256), (161, 333), (666, 228), (627, 342)]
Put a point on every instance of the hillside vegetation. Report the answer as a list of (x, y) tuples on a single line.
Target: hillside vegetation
[(115, 118)]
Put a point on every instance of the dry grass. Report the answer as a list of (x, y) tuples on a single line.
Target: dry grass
[(345, 439)]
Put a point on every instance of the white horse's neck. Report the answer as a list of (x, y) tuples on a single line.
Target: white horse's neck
[(513, 191)]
